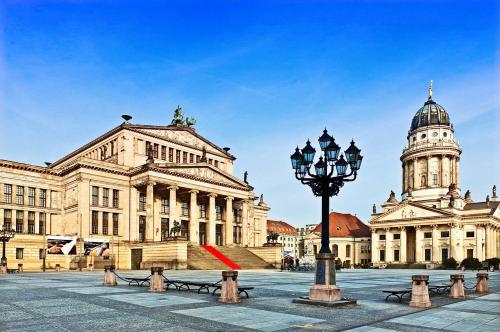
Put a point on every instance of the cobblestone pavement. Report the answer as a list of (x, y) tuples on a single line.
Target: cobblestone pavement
[(77, 301)]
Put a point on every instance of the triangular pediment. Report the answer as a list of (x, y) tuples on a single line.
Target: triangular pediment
[(410, 210), (201, 172)]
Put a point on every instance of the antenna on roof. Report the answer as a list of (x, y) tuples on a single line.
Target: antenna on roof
[(126, 118)]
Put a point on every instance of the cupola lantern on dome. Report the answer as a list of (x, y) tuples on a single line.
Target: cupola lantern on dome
[(430, 114)]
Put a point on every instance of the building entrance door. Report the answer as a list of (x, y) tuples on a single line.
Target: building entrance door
[(203, 233), (410, 245), (218, 234), (136, 259)]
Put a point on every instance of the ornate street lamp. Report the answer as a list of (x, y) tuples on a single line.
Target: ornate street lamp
[(330, 174), (5, 235)]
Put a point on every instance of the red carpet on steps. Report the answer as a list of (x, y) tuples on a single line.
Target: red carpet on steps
[(220, 256)]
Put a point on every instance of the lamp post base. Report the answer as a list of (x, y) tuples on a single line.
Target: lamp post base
[(325, 288)]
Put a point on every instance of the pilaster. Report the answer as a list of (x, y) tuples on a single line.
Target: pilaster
[(389, 254), (150, 211), (244, 217), (453, 242), (436, 255), (228, 226), (211, 219), (418, 244), (402, 247), (194, 225)]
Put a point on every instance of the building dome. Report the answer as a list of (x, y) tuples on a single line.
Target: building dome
[(430, 114)]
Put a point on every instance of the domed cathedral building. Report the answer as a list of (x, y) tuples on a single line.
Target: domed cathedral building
[(433, 221), (137, 196)]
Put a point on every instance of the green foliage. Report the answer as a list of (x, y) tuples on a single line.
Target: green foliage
[(450, 263), (493, 262), (471, 263), (338, 264)]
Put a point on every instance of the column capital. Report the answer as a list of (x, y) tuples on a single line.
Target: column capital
[(212, 195), (194, 191), (173, 187), (387, 229), (229, 198), (374, 230), (151, 183), (418, 227), (402, 228), (435, 226)]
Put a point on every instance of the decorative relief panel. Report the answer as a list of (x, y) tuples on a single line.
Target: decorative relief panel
[(205, 173)]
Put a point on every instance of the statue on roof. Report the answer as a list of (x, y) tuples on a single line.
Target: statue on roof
[(178, 119), (392, 197), (245, 177), (467, 197), (494, 191)]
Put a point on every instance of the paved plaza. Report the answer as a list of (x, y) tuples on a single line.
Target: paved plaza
[(77, 301)]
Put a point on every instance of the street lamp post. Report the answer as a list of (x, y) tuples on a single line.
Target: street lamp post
[(330, 174), (5, 235)]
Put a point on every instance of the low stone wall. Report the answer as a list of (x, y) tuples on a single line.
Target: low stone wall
[(169, 255), (271, 255)]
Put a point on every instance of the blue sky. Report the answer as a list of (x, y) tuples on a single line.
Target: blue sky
[(260, 77)]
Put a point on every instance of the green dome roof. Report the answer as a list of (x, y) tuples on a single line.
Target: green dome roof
[(430, 114)]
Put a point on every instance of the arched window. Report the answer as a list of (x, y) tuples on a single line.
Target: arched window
[(348, 250), (335, 250)]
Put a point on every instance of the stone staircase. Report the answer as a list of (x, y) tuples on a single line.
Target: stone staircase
[(200, 259)]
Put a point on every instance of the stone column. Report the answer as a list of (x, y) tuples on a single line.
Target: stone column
[(453, 243), (457, 286), (150, 211), (194, 224), (134, 221), (436, 256), (416, 183), (429, 181), (457, 170), (244, 228), (418, 244), (479, 242), (389, 255), (228, 227), (374, 245), (403, 180), (488, 242), (420, 291), (172, 205), (402, 247), (211, 219)]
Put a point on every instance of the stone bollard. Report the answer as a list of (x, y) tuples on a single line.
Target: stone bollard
[(109, 276), (229, 288), (457, 286), (91, 267), (420, 291), (58, 268), (20, 267), (3, 269), (157, 283), (482, 282)]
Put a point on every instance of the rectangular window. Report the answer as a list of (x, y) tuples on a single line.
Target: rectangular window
[(218, 212), (142, 202), (19, 195), (210, 161), (348, 250), (434, 179), (171, 155), (116, 198), (95, 222), (31, 222), (427, 254), (7, 219), (445, 234), (203, 211), (164, 229), (115, 223), (165, 205), (396, 236), (198, 159), (41, 223), (148, 147), (444, 254), (19, 221), (178, 156), (7, 193), (191, 158), (105, 221), (237, 216), (382, 255), (427, 235), (470, 253), (31, 196), (19, 253), (185, 157), (155, 151), (142, 228), (469, 234), (43, 198), (95, 196), (216, 163), (396, 255), (163, 152), (185, 209), (381, 237), (105, 197)]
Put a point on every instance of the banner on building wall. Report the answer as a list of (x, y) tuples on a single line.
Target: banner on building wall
[(61, 245), (96, 247)]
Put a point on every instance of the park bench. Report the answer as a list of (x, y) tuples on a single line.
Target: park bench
[(138, 281), (398, 293), (439, 289), (241, 290), (12, 270), (187, 285)]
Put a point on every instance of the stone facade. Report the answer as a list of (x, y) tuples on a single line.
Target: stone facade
[(433, 221), (127, 187)]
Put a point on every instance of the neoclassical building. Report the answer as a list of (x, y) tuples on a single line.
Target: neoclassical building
[(121, 195), (433, 221)]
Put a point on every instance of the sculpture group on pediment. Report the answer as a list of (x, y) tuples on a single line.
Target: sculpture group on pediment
[(179, 120)]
